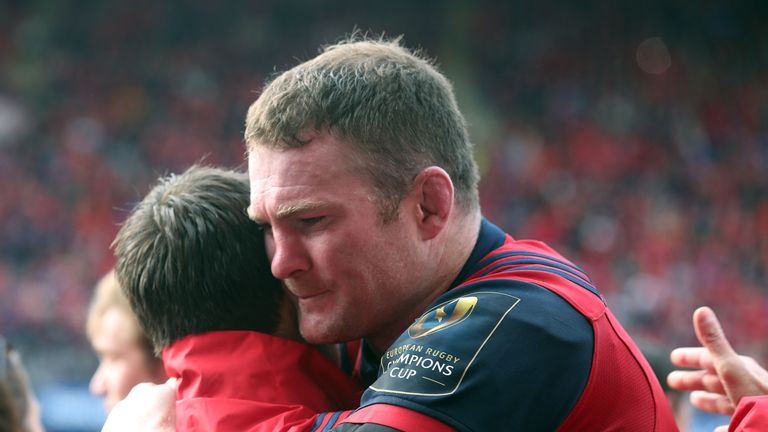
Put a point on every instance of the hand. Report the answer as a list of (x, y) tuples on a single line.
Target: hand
[(147, 408), (723, 377)]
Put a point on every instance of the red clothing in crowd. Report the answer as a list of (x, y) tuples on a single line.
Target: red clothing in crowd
[(249, 381)]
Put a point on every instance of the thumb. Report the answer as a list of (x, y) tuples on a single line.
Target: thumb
[(711, 335)]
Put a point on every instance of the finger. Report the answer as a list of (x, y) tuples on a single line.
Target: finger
[(690, 357), (141, 388), (172, 383), (713, 384), (166, 392), (162, 393), (723, 428), (685, 380), (712, 402), (710, 334), (695, 380)]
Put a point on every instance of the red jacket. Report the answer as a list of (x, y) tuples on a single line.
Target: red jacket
[(249, 381), (751, 415)]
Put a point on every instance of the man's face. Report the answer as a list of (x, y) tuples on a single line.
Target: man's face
[(351, 275), (123, 362)]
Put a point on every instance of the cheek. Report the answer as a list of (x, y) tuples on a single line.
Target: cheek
[(396, 267), (370, 260), (113, 382), (127, 374), (377, 269), (121, 378)]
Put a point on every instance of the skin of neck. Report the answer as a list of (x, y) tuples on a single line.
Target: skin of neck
[(449, 250)]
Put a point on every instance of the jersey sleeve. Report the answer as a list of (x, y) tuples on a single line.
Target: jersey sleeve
[(751, 415), (497, 354)]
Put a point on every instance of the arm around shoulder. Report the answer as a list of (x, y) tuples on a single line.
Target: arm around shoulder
[(148, 407)]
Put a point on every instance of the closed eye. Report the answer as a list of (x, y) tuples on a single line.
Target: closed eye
[(310, 221)]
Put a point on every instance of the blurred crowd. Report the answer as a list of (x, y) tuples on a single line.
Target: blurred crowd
[(645, 157), (633, 138)]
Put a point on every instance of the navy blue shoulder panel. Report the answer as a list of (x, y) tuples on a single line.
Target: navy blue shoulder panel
[(498, 354)]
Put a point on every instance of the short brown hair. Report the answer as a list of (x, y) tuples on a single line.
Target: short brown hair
[(391, 104), (191, 261)]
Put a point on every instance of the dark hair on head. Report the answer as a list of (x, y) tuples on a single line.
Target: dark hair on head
[(191, 261), (391, 105)]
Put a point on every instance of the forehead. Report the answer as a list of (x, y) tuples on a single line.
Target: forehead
[(304, 177), (117, 331)]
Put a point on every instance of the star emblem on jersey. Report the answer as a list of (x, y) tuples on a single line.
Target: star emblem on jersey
[(434, 356), (442, 317)]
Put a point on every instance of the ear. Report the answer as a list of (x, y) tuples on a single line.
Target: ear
[(433, 194)]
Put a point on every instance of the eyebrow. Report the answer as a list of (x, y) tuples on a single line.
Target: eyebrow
[(287, 210)]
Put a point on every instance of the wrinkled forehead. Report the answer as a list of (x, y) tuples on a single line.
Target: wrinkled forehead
[(299, 179), (321, 154)]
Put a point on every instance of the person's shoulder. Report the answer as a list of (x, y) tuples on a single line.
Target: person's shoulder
[(519, 264), (484, 343)]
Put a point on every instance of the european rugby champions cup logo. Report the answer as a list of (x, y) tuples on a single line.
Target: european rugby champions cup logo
[(442, 317)]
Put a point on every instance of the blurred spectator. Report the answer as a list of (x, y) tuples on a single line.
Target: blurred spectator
[(19, 408), (126, 355)]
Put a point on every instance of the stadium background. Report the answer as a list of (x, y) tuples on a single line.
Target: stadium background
[(631, 135)]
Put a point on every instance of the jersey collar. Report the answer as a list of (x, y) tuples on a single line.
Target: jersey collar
[(490, 238)]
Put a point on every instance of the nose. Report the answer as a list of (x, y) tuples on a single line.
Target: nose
[(288, 254), (96, 386)]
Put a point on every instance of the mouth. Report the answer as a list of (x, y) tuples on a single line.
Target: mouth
[(307, 297), (304, 292)]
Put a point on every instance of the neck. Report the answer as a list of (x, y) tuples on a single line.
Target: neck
[(448, 255)]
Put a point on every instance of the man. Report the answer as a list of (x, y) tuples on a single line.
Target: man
[(195, 271), (363, 180), (125, 354), (362, 176), (723, 382)]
